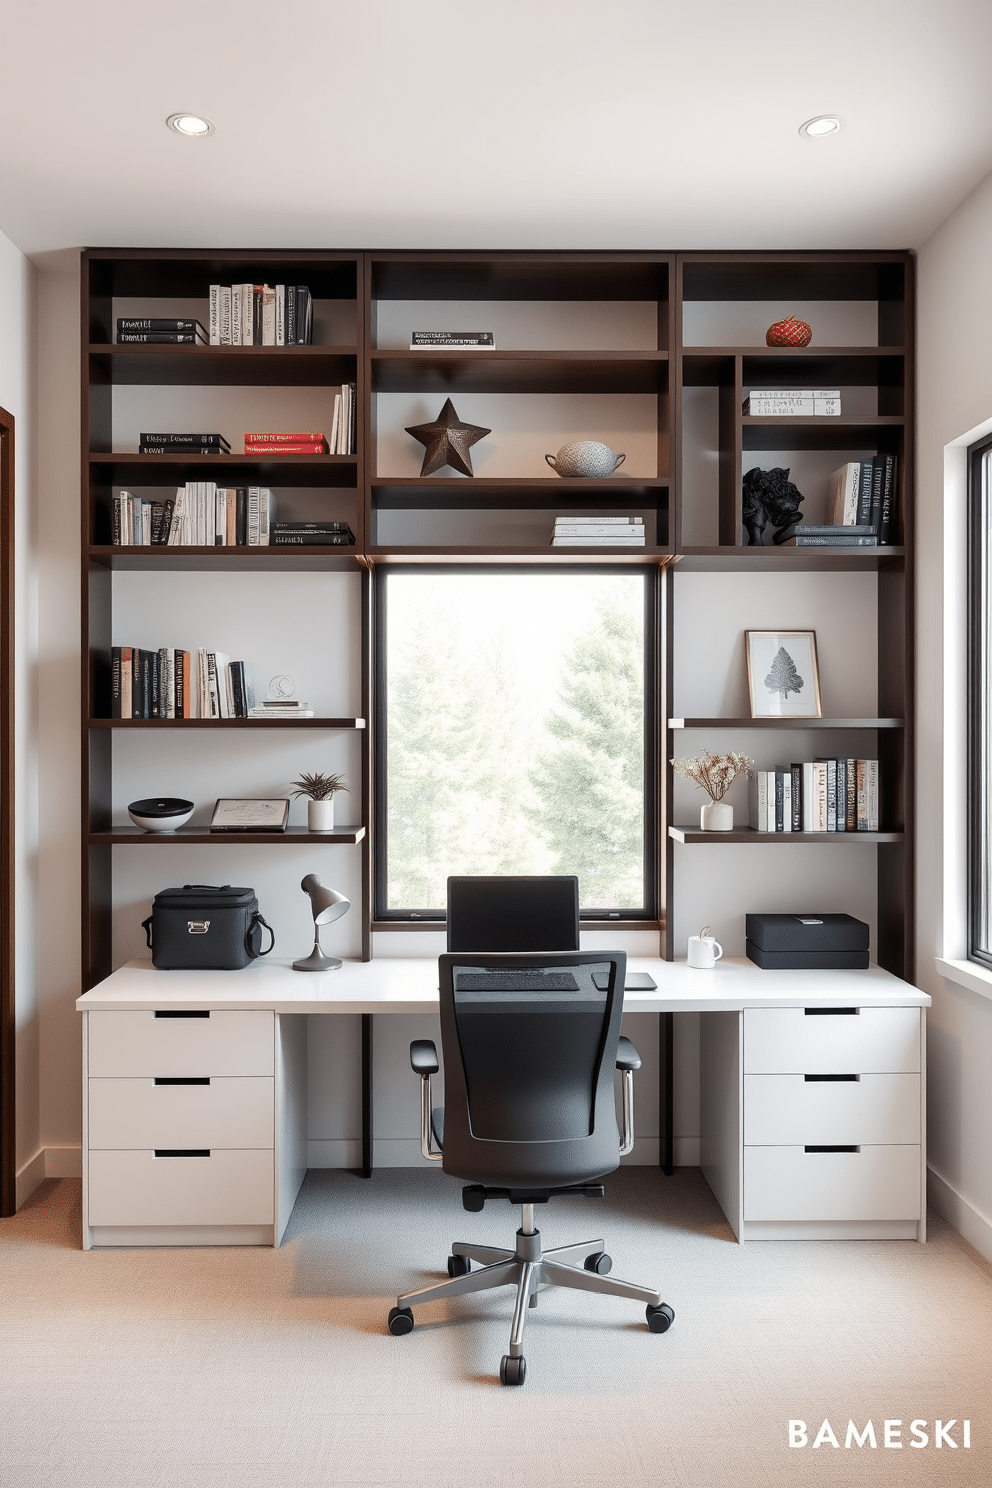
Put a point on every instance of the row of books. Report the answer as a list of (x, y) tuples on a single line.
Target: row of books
[(863, 493), (260, 315), (189, 684), (183, 444), (588, 531), (205, 515), (825, 795), (452, 341), (160, 330), (792, 403)]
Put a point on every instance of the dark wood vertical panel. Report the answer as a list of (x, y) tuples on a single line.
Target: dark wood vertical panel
[(731, 397)]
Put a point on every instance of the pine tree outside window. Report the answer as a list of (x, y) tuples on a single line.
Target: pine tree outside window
[(515, 720)]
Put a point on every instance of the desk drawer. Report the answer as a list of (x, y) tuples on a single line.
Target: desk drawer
[(229, 1111), (792, 1041), (138, 1188), (875, 1183), (139, 1043), (875, 1110)]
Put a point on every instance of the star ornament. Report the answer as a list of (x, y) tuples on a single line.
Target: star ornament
[(447, 441)]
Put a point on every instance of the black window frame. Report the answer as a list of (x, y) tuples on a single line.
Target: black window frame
[(651, 915), (979, 785)]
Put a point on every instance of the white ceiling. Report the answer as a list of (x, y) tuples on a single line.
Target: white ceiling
[(512, 123)]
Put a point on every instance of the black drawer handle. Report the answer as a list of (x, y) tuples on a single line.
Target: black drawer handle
[(831, 1149), (170, 1014), (820, 1079), (182, 1079), (182, 1151), (831, 1012)]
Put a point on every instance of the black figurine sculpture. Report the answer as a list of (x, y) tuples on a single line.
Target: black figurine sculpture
[(769, 496)]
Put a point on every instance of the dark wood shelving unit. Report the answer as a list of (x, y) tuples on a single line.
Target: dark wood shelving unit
[(879, 418)]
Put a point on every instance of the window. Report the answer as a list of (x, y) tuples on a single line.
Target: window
[(980, 705), (516, 733)]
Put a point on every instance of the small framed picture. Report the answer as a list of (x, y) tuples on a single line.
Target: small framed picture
[(782, 673), (250, 814)]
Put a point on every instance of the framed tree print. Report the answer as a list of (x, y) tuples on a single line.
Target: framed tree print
[(782, 674)]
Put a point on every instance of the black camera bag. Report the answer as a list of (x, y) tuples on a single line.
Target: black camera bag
[(201, 927)]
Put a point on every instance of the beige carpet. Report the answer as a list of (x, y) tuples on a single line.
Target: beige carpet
[(273, 1369)]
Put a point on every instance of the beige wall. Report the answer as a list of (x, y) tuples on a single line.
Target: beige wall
[(955, 407), (17, 373)]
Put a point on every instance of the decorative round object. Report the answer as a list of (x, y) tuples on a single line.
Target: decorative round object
[(716, 816), (585, 459), (789, 332), (160, 813), (282, 687)]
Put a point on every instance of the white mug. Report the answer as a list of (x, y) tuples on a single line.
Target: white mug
[(704, 951)]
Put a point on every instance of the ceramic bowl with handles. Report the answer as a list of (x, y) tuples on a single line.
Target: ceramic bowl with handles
[(585, 459)]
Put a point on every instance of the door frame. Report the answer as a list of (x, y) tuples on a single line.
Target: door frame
[(8, 1200)]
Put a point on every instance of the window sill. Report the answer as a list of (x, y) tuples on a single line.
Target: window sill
[(967, 974)]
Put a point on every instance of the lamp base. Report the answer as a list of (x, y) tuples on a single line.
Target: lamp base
[(317, 961)]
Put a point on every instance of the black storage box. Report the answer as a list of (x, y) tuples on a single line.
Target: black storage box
[(201, 927), (807, 942)]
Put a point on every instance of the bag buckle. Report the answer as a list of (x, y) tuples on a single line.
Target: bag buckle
[(197, 927)]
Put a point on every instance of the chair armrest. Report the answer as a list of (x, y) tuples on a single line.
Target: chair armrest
[(627, 1056), (423, 1057)]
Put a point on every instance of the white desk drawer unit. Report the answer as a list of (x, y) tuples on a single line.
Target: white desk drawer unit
[(832, 1118), (180, 1126)]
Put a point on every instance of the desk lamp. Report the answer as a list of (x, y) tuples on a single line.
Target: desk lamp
[(326, 905)]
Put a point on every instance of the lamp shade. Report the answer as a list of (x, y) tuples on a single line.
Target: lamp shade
[(326, 904)]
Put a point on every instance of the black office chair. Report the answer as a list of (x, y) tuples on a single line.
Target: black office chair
[(530, 1045)]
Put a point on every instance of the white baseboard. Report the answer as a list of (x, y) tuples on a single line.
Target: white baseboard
[(956, 1209), (47, 1162), (29, 1177)]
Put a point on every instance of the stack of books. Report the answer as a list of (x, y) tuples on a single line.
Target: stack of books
[(162, 330), (183, 444), (861, 508), (311, 534), (260, 315), (200, 515), (826, 795), (285, 444), (452, 340), (179, 684), (587, 531), (344, 422), (281, 708), (802, 403)]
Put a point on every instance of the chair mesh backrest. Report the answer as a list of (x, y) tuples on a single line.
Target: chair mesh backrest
[(529, 1048)]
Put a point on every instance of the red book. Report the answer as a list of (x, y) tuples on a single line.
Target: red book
[(285, 449), (284, 439)]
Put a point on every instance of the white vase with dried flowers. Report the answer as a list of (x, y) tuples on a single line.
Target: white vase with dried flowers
[(714, 774), (319, 790)]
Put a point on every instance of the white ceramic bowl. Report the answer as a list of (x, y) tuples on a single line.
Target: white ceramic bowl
[(160, 813)]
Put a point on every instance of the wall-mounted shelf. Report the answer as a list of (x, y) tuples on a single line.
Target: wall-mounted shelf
[(519, 371), (692, 836), (786, 723), (129, 835), (219, 560), (141, 365), (227, 723)]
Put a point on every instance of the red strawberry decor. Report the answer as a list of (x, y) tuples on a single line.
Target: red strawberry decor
[(789, 332)]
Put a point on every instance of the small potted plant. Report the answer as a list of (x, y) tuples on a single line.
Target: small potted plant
[(319, 790), (714, 774)]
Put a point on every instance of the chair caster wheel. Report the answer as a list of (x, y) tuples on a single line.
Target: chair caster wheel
[(660, 1319), (512, 1371), (599, 1262), (400, 1321), (458, 1265)]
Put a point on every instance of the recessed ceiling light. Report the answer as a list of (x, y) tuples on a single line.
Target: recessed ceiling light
[(191, 125), (822, 126)]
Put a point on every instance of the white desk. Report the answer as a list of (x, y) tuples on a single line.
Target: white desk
[(194, 1100)]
